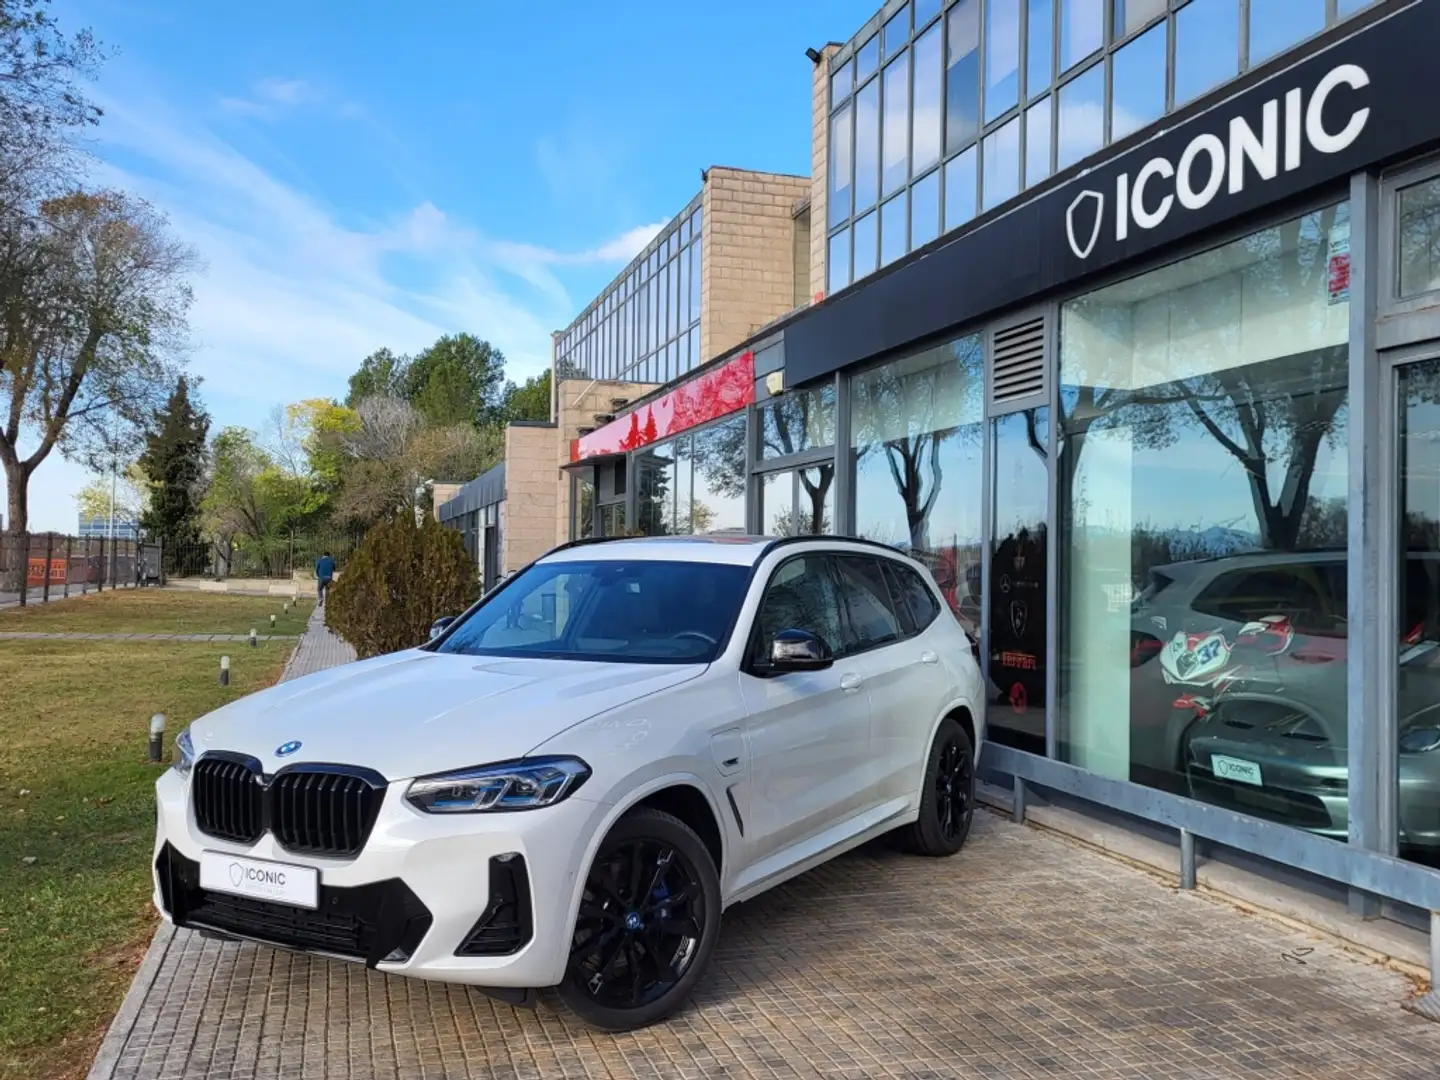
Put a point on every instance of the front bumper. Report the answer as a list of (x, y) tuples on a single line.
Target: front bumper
[(424, 896)]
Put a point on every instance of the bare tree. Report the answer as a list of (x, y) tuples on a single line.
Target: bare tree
[(93, 303)]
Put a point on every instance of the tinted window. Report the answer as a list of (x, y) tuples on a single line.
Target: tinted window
[(801, 596), (872, 615), (913, 595), (1304, 593), (659, 612)]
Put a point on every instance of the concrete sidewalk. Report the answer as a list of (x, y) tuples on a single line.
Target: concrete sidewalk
[(1025, 956)]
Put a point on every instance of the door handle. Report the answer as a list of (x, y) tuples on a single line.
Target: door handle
[(851, 683), (928, 657)]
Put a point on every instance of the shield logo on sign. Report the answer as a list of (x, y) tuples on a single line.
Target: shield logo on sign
[(1083, 219), (1017, 617), (237, 874)]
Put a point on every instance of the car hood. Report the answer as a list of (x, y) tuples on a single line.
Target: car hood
[(417, 712)]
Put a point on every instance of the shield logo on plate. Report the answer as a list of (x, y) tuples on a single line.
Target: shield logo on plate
[(237, 874), (1018, 616), (1083, 219)]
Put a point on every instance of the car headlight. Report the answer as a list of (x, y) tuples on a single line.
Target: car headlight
[(1420, 740), (527, 784), (183, 755)]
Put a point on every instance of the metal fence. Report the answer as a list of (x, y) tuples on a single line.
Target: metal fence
[(37, 566), (278, 557)]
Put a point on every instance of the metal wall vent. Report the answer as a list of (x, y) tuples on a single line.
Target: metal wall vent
[(1019, 362)]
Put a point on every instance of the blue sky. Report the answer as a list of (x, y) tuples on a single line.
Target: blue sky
[(372, 174)]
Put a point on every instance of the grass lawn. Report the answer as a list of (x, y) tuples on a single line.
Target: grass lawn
[(160, 611), (73, 717)]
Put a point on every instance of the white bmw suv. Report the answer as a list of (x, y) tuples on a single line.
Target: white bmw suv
[(568, 784)]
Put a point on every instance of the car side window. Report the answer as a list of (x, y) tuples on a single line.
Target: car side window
[(1304, 594), (873, 620), (801, 596), (912, 595)]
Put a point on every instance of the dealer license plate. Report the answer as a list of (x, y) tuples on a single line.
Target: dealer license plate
[(280, 883), (1237, 769)]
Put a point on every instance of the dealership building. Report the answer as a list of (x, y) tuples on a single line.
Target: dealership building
[(1123, 316)]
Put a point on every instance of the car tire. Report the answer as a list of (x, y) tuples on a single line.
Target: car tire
[(617, 926), (947, 796)]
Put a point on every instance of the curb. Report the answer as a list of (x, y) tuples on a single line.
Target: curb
[(113, 1045)]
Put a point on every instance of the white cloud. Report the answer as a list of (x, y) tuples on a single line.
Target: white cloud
[(270, 97)]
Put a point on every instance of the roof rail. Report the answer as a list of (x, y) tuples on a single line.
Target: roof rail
[(585, 541), (785, 540)]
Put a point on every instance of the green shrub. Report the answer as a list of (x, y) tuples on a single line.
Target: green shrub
[(397, 582)]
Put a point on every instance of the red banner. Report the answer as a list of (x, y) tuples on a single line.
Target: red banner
[(718, 392), (35, 571)]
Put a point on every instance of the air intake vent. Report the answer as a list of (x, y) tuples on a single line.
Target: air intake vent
[(1019, 362)]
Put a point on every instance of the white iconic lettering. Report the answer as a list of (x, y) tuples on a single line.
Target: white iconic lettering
[(1355, 78), (1145, 218), (1263, 153), (1227, 162)]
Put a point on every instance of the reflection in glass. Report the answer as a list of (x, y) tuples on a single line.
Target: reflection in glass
[(1131, 15), (815, 500), (1082, 30), (1202, 496), (801, 420), (837, 263), (1420, 238), (1017, 587), (893, 229), (840, 165), (1349, 7), (897, 31), (718, 502), (867, 146), (925, 210), (867, 244), (867, 60), (1002, 57), (842, 82), (925, 10), (1039, 47), (925, 127), (684, 523), (895, 135), (1037, 142), (916, 439), (962, 75), (1418, 682), (1138, 83), (776, 495), (584, 509), (655, 490), (1275, 25), (960, 184), (1082, 117), (1207, 46), (695, 264), (1001, 157)]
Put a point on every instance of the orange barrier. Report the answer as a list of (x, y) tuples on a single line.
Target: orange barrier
[(35, 572)]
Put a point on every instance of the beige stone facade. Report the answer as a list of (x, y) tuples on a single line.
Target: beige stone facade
[(530, 493), (819, 169), (749, 270)]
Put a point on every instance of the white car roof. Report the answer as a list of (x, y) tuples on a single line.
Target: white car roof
[(734, 549)]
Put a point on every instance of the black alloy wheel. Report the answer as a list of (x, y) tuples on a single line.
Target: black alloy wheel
[(648, 919), (947, 799)]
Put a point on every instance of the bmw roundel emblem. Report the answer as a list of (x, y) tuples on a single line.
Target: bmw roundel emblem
[(286, 749)]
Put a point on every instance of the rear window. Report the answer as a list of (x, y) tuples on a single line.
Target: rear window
[(637, 612)]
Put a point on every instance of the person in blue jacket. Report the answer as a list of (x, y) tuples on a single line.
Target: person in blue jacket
[(324, 575)]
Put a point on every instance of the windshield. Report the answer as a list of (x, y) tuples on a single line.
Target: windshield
[(645, 612)]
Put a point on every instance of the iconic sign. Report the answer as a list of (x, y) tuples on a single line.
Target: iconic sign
[(1209, 163)]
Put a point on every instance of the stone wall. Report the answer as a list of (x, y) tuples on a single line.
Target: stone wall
[(530, 493)]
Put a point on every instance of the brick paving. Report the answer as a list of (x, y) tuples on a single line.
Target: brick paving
[(1024, 957)]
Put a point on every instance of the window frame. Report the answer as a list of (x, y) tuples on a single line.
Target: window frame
[(749, 659)]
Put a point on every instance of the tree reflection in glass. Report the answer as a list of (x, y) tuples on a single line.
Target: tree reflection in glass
[(916, 440)]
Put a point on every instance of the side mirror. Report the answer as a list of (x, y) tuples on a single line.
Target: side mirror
[(798, 650), (439, 626)]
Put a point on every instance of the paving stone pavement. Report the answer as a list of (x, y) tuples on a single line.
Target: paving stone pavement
[(1026, 956)]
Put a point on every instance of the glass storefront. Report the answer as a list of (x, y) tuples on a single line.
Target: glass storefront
[(917, 453), (1202, 491), (1018, 587), (693, 484), (1417, 687)]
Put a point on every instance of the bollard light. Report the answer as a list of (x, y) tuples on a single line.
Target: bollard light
[(252, 637), (224, 671), (157, 735), (272, 622)]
